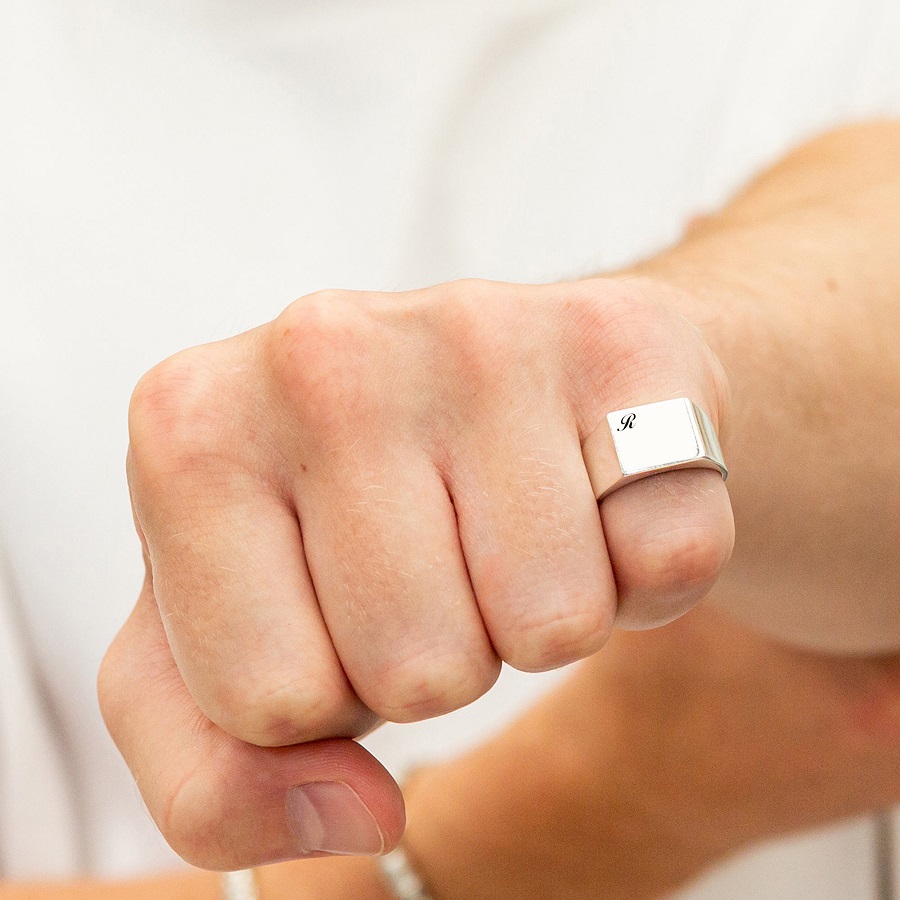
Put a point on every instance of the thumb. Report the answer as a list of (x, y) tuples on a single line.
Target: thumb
[(222, 803)]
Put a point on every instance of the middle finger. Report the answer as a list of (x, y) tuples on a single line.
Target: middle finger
[(383, 550)]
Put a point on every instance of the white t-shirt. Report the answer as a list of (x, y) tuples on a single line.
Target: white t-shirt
[(175, 172)]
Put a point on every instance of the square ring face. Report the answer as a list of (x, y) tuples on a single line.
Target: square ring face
[(656, 435)]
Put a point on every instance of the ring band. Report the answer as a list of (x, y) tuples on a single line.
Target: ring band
[(401, 877), (646, 440)]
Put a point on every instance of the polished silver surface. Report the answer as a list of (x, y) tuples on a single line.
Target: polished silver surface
[(239, 885), (648, 439), (401, 877)]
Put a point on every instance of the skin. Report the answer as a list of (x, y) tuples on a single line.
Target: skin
[(792, 292), (370, 502), (375, 498), (713, 738), (796, 286), (671, 750)]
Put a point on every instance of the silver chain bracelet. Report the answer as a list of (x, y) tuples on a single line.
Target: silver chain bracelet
[(239, 885), (395, 867), (401, 877)]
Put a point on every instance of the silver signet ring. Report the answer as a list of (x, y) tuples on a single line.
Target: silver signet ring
[(645, 440)]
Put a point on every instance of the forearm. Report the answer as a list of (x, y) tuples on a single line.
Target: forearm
[(556, 807), (666, 752), (796, 285)]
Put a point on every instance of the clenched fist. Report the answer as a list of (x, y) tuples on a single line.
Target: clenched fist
[(356, 511)]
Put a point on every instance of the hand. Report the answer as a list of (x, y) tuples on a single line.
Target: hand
[(666, 753), (356, 511)]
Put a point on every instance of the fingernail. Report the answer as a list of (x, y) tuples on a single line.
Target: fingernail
[(329, 817)]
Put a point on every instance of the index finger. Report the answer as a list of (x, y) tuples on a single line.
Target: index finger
[(227, 558)]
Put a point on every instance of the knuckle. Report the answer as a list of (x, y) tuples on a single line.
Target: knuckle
[(622, 321), (190, 815), (175, 413), (633, 338), (319, 356), (290, 711), (686, 556), (428, 685), (550, 637), (670, 572), (672, 535)]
